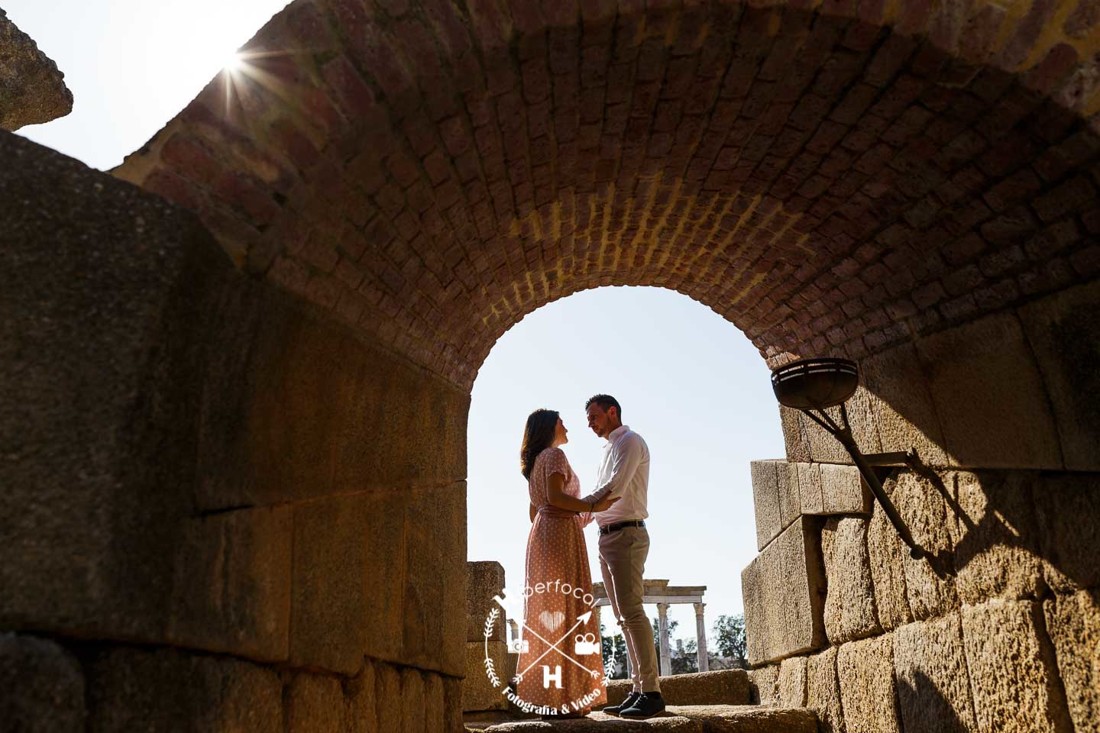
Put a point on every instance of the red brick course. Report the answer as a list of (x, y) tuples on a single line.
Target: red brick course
[(830, 180)]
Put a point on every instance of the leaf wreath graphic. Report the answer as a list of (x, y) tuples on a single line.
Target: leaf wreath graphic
[(490, 621), (491, 673)]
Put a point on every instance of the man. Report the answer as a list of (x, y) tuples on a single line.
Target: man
[(624, 546)]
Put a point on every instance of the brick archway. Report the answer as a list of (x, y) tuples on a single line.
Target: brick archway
[(247, 511), (832, 179)]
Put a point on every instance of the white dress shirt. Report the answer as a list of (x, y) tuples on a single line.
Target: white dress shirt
[(624, 472)]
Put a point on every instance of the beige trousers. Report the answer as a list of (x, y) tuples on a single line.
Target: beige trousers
[(622, 561)]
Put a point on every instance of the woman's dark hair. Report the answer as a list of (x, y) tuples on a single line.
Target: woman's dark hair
[(537, 437)]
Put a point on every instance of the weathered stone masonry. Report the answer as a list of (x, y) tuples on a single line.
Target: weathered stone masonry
[(237, 484)]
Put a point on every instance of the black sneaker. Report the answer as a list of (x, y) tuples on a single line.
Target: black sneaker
[(648, 705), (632, 698)]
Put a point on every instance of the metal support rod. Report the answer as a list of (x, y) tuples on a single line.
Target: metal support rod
[(844, 435)]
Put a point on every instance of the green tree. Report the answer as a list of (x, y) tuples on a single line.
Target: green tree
[(729, 638)]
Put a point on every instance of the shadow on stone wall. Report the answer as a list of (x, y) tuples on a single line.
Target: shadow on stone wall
[(926, 710)]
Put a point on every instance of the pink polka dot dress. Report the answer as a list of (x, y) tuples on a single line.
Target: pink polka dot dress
[(563, 666)]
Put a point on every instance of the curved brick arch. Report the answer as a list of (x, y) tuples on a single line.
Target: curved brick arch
[(830, 178)]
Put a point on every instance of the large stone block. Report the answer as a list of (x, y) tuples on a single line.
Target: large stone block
[(850, 601), (1073, 623), (435, 616), (1068, 508), (843, 490), (1012, 669), (483, 581), (887, 554), (167, 690), (755, 595), (387, 694), (924, 510), (931, 673), (413, 699), (231, 590), (330, 597), (797, 446), (811, 494), (107, 295), (790, 504), (763, 685), (995, 536), (791, 684), (867, 691), (435, 702), (42, 687), (362, 706), (298, 407), (1062, 331), (823, 447), (823, 691), (784, 590), (765, 499), (901, 403), (990, 396), (315, 703), (478, 692)]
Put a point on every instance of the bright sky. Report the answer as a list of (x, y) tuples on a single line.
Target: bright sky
[(690, 383)]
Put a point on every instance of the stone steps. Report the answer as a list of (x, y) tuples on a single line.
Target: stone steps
[(682, 719), (720, 687)]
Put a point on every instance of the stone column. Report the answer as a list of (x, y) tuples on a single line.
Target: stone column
[(662, 628), (701, 636)]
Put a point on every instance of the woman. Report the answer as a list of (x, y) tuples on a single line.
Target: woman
[(561, 668)]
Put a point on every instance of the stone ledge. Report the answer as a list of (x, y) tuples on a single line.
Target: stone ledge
[(32, 90)]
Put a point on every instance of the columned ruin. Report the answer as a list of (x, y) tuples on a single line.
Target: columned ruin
[(659, 593), (237, 372)]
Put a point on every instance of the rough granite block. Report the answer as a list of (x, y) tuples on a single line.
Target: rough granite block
[(867, 691), (478, 692), (231, 588), (362, 713), (990, 396), (483, 581), (1073, 623), (931, 672), (887, 554), (1061, 330), (823, 691), (850, 611), (784, 589), (810, 490), (995, 536), (843, 490), (1067, 506), (791, 684), (901, 403), (925, 512), (130, 689), (765, 499), (315, 703), (1013, 674), (42, 686), (764, 685)]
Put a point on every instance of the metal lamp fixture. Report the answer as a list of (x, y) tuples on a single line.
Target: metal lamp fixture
[(812, 386)]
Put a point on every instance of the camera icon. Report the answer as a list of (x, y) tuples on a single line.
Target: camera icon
[(519, 646), (585, 644)]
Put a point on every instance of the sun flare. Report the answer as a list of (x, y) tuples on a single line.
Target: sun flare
[(234, 64)]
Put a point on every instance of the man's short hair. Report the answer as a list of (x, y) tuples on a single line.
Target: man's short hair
[(605, 401)]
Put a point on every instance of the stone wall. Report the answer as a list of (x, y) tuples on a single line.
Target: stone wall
[(1003, 413), (222, 510)]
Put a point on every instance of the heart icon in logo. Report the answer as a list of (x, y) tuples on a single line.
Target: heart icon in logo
[(552, 621)]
